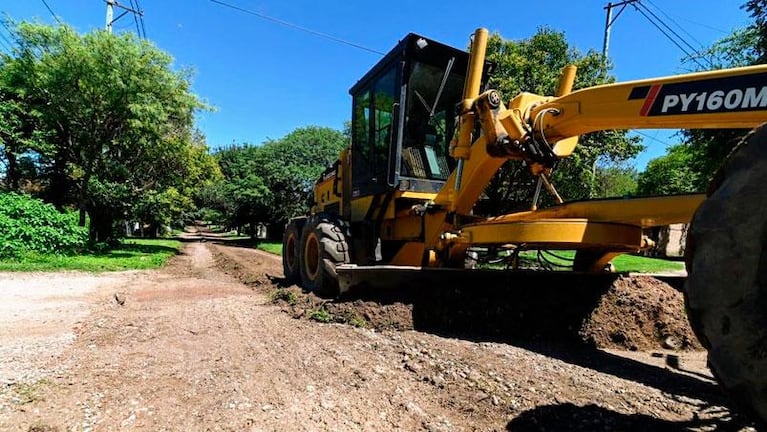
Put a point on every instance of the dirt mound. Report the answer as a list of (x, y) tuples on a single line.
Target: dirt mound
[(359, 313), (605, 311), (639, 313)]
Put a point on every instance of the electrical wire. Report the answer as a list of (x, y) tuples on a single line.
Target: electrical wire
[(8, 28), (297, 27), (700, 24), (669, 37), (7, 42), (140, 14), (51, 11), (676, 23), (678, 36), (651, 137), (135, 19)]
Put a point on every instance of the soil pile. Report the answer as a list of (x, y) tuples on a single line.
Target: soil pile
[(640, 313), (605, 311)]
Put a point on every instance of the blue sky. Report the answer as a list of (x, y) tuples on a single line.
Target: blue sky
[(265, 79)]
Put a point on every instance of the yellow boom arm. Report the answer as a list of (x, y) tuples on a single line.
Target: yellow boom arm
[(543, 129)]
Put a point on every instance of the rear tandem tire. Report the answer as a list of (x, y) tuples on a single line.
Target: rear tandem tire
[(291, 242), (726, 290), (324, 245)]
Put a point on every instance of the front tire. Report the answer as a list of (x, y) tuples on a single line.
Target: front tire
[(726, 290), (291, 245), (324, 245)]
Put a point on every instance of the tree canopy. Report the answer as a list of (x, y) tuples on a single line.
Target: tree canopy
[(534, 65), (106, 118), (272, 182)]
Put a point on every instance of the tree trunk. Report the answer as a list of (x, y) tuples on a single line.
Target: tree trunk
[(59, 186), (12, 176), (81, 199), (101, 226), (153, 229)]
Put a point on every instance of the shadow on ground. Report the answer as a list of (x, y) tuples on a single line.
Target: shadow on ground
[(222, 239), (569, 417), (541, 312)]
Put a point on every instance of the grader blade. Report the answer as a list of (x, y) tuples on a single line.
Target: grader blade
[(519, 305)]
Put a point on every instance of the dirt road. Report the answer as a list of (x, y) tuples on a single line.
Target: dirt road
[(194, 348)]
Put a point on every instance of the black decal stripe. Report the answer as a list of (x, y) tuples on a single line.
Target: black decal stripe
[(639, 92)]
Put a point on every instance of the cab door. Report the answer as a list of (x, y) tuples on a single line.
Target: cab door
[(374, 133)]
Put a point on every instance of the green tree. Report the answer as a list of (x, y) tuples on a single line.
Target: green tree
[(241, 197), (272, 182), (616, 180), (744, 47), (672, 173), (534, 65), (159, 209), (291, 165), (20, 132), (117, 117), (757, 9)]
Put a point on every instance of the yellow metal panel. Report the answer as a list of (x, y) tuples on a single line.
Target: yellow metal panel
[(642, 212), (410, 254), (359, 207), (404, 228), (555, 233), (426, 196), (324, 194)]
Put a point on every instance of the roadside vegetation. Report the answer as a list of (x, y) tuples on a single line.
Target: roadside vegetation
[(271, 247), (34, 236), (28, 225), (131, 254), (623, 263)]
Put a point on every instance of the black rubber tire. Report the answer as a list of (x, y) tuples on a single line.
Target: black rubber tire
[(291, 244), (726, 289), (324, 244)]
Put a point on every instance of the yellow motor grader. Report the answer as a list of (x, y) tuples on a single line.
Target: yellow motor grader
[(427, 138)]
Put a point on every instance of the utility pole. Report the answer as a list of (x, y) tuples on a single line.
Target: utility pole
[(111, 4), (110, 14), (609, 21)]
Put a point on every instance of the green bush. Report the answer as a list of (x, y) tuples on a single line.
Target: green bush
[(29, 225)]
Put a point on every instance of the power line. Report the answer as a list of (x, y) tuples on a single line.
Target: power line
[(675, 22), (8, 28), (135, 20), (710, 27), (7, 41), (651, 137), (680, 38), (141, 18), (674, 41), (51, 11), (5, 45), (683, 18), (297, 27)]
